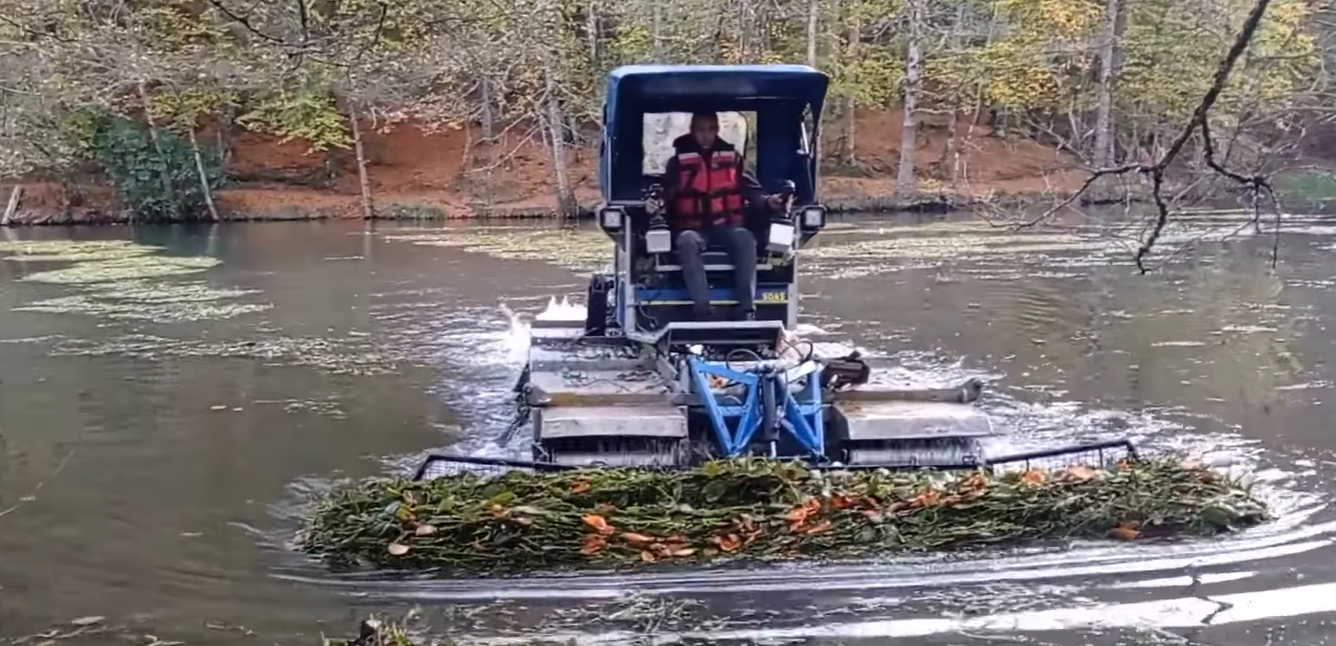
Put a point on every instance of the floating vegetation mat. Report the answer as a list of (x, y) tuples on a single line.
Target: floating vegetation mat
[(351, 355), (754, 509), (574, 249), (122, 280), (126, 268)]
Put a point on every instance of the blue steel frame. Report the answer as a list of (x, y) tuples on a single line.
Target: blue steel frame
[(802, 420)]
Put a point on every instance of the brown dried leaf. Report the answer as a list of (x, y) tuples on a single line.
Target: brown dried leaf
[(926, 499), (1124, 533), (425, 530), (647, 556), (638, 540), (976, 482), (1082, 473), (398, 549), (593, 544), (1033, 477), (598, 524), (580, 486), (817, 528), (684, 552), (728, 542)]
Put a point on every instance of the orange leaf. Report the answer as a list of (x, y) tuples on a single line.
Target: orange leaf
[(925, 499), (728, 543), (1082, 473), (1124, 533), (684, 552), (598, 524), (647, 556), (975, 483), (639, 540), (1033, 477), (817, 528), (593, 545), (841, 502), (580, 486)]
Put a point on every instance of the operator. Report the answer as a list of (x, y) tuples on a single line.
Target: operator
[(707, 195)]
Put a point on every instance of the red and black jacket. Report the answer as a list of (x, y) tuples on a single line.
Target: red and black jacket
[(707, 186)]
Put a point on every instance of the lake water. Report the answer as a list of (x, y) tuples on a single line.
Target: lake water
[(170, 396)]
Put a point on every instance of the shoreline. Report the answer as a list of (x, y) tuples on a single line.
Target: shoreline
[(939, 203)]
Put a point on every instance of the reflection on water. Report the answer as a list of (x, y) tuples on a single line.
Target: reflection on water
[(167, 396)]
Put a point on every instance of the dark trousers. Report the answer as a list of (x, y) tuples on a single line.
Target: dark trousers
[(741, 247)]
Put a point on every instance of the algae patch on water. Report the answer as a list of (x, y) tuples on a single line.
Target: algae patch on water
[(351, 355), (148, 301), (118, 279), (574, 249), (130, 267)]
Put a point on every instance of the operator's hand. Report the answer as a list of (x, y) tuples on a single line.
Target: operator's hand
[(776, 202), (653, 206)]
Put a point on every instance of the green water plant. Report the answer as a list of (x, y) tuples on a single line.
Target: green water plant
[(754, 509)]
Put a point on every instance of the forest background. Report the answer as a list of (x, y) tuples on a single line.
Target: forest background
[(168, 110)]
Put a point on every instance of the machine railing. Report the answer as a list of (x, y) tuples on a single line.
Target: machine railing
[(1105, 453)]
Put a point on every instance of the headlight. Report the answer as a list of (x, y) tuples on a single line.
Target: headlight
[(611, 218), (814, 217)]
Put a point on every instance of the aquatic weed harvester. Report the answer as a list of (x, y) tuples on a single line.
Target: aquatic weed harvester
[(636, 382)]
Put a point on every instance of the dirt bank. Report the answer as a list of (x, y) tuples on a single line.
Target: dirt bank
[(417, 173)]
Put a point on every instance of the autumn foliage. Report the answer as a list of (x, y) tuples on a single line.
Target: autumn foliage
[(755, 509)]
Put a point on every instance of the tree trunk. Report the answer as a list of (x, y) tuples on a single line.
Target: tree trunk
[(167, 187), (848, 154), (906, 184), (363, 179), (951, 150), (487, 118), (591, 29), (12, 207), (813, 16), (948, 161), (565, 199), (203, 176), (1102, 154), (657, 35)]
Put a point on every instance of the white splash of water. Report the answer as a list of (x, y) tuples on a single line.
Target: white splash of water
[(562, 310), (516, 340)]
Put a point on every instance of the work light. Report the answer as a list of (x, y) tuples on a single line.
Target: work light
[(814, 217), (611, 218)]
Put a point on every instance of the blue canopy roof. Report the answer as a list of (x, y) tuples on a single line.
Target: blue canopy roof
[(685, 88)]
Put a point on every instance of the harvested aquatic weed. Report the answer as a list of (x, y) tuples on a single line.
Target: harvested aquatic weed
[(754, 509)]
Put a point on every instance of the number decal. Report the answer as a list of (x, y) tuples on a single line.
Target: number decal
[(773, 297)]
